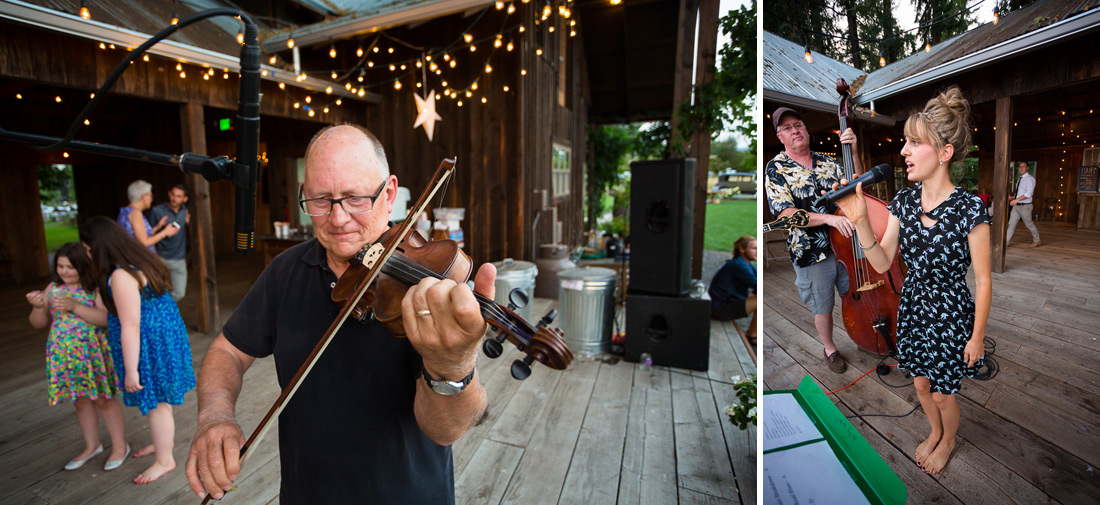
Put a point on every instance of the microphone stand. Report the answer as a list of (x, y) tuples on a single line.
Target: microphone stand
[(243, 172)]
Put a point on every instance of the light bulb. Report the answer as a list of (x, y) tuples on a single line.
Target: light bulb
[(282, 85), (467, 37), (809, 56), (339, 102), (359, 52), (290, 43), (328, 90), (505, 88), (397, 85), (488, 69), (309, 99), (927, 47), (332, 51)]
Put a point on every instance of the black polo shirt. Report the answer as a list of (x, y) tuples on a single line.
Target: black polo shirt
[(349, 434)]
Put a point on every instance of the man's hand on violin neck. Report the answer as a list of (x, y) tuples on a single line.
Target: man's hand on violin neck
[(444, 324)]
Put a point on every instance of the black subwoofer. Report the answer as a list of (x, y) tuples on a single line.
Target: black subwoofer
[(674, 331)]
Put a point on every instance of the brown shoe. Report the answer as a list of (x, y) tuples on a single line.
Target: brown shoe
[(1036, 243), (836, 362)]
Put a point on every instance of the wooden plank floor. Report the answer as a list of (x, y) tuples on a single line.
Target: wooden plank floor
[(599, 432), (1032, 433)]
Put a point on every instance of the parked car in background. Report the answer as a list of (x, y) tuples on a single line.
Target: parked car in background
[(743, 181)]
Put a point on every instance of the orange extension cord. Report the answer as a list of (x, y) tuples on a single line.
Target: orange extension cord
[(855, 381)]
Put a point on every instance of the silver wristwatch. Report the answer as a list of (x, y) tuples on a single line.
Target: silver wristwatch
[(446, 387)]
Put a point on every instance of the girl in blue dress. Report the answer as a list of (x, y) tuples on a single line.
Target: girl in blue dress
[(941, 229), (147, 336)]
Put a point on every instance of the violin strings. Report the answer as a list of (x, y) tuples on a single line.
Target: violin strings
[(410, 272)]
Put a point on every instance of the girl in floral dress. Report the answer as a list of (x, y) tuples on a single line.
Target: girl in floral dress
[(147, 335), (941, 230), (78, 358)]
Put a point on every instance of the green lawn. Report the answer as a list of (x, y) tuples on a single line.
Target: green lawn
[(728, 220), (60, 232)]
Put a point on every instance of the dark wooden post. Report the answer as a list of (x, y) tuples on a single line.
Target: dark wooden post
[(700, 142), (685, 47), (202, 238), (1001, 170)]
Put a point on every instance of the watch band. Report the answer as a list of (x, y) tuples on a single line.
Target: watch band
[(446, 387)]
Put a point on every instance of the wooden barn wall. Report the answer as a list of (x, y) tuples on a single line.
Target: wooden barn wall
[(503, 146)]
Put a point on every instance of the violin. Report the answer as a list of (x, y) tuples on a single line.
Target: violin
[(377, 279), (417, 259), (870, 306)]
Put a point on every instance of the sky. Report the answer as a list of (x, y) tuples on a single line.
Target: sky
[(724, 6), (903, 11)]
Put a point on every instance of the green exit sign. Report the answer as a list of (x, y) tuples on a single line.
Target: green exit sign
[(225, 124)]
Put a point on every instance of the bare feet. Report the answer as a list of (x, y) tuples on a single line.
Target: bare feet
[(145, 451), (925, 448), (938, 459), (154, 472)]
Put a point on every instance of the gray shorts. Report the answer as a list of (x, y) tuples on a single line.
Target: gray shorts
[(817, 282)]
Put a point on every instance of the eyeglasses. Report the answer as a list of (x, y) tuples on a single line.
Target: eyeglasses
[(351, 204), (793, 126)]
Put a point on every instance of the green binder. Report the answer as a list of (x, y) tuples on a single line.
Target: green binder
[(879, 483)]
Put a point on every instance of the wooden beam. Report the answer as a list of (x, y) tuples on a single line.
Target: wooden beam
[(1002, 178), (685, 46), (194, 140), (700, 142)]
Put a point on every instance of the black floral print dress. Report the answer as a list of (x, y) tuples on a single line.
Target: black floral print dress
[(936, 311)]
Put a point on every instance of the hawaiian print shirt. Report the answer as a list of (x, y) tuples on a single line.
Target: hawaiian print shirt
[(790, 184)]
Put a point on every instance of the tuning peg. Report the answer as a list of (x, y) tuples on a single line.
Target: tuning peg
[(548, 318), (492, 348), (517, 299), (521, 369)]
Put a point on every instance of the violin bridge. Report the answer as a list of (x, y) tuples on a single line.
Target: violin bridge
[(371, 255), (867, 286)]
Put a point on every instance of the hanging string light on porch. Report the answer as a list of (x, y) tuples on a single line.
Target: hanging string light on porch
[(809, 57), (175, 14), (996, 14), (84, 11), (332, 49)]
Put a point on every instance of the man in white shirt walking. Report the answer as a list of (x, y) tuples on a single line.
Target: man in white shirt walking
[(1022, 206)]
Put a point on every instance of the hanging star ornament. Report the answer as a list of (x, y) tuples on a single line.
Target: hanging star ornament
[(425, 113)]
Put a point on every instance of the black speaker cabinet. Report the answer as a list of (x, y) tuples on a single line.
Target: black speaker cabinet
[(674, 331), (661, 226)]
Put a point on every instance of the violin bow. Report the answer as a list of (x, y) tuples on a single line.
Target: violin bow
[(376, 258)]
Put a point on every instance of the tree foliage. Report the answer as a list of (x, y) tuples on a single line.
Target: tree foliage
[(941, 19), (729, 98), (54, 183), (609, 146)]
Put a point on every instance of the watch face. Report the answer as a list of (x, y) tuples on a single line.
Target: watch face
[(447, 388)]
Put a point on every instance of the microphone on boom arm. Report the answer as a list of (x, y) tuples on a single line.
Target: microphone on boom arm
[(246, 169), (873, 176)]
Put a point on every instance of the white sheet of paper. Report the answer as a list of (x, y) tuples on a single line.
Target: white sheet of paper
[(785, 423), (808, 474)]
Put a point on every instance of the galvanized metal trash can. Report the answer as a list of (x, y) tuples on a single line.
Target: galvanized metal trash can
[(512, 274), (586, 308)]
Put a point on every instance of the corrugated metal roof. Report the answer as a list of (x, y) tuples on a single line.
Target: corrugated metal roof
[(1041, 14), (785, 70)]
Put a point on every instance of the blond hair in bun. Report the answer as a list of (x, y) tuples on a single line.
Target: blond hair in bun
[(944, 120)]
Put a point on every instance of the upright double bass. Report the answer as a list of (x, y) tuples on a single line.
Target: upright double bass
[(870, 306)]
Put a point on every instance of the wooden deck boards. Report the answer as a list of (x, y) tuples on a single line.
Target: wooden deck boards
[(1027, 436), (599, 432)]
